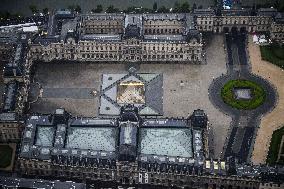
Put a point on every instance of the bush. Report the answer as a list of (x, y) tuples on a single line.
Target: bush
[(275, 147), (258, 94), (274, 54)]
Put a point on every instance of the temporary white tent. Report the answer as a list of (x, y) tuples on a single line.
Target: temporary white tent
[(30, 29)]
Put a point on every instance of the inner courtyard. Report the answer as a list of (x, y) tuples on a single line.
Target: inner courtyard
[(185, 87)]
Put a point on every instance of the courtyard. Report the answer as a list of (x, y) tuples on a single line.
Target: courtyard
[(185, 88)]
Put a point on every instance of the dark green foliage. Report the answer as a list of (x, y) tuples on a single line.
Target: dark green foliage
[(98, 9), (274, 54), (258, 94), (163, 9), (181, 8), (6, 153), (194, 6), (77, 9), (155, 6), (7, 15), (111, 9), (185, 7), (33, 8), (275, 147), (137, 10), (45, 11)]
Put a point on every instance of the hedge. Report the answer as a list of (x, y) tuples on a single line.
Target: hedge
[(258, 94)]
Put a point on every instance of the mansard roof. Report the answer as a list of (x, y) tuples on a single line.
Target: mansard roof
[(164, 16)]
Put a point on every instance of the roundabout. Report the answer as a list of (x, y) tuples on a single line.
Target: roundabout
[(243, 94)]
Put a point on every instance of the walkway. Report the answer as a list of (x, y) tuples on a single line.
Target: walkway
[(274, 119), (243, 129)]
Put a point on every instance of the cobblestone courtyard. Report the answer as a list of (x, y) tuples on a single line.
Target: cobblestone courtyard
[(70, 86)]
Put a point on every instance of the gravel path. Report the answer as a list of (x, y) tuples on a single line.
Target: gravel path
[(274, 119)]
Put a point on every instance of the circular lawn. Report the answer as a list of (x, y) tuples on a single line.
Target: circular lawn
[(257, 94)]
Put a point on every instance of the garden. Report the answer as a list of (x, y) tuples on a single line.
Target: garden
[(257, 94)]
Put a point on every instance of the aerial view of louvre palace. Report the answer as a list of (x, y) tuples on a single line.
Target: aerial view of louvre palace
[(142, 94)]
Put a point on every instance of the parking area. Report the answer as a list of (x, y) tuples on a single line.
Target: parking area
[(185, 88)]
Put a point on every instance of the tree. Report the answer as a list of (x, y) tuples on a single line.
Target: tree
[(279, 5), (45, 11), (181, 8), (78, 9), (111, 9), (130, 10), (71, 7), (155, 7), (194, 6), (184, 7), (33, 8), (98, 9), (215, 2), (163, 9), (176, 7)]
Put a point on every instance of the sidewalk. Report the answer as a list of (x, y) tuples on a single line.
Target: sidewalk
[(274, 119)]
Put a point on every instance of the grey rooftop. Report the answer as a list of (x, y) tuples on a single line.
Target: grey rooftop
[(164, 37), (38, 183), (101, 37), (164, 16)]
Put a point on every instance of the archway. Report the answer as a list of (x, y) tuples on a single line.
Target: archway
[(226, 30), (234, 30), (243, 30)]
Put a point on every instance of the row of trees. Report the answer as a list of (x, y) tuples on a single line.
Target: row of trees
[(178, 8), (35, 10)]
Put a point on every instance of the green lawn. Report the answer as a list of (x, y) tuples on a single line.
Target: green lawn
[(258, 94), (274, 54), (275, 147), (6, 153)]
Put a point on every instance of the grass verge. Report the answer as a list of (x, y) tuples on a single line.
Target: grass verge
[(274, 54), (275, 147)]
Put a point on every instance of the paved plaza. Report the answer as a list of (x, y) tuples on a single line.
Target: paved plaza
[(241, 136), (144, 90), (274, 119), (185, 88)]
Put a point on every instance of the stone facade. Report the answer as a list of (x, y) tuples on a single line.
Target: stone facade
[(118, 37), (102, 24), (10, 128), (265, 20), (131, 174), (115, 51), (277, 31), (164, 24)]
